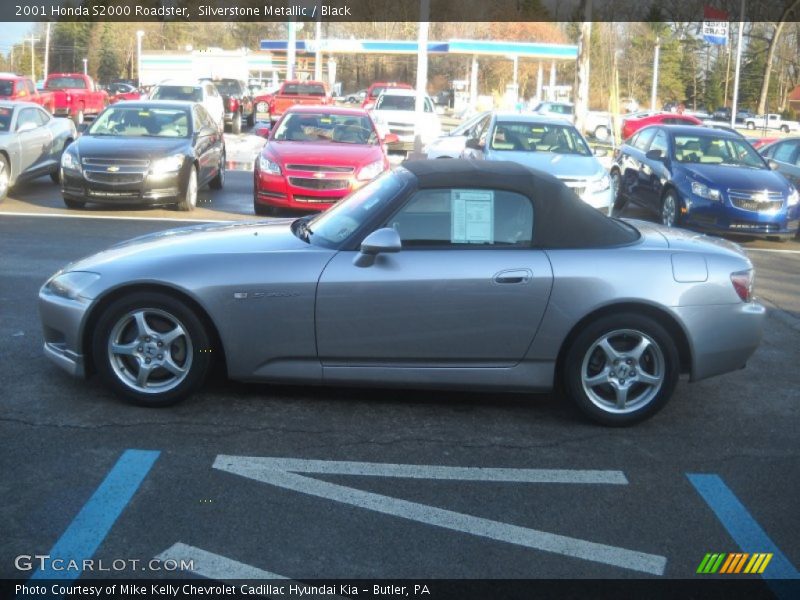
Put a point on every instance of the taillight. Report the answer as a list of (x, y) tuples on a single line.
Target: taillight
[(743, 284), (233, 104)]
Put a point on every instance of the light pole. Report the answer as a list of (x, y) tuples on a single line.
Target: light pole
[(139, 36), (85, 66), (654, 91), (422, 72), (33, 41)]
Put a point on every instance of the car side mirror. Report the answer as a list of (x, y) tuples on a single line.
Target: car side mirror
[(773, 165), (379, 241), (27, 126), (654, 155), (390, 138), (474, 144), (600, 152)]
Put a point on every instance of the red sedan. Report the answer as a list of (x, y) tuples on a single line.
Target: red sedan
[(631, 126), (315, 156)]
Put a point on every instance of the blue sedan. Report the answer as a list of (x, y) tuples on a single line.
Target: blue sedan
[(704, 179)]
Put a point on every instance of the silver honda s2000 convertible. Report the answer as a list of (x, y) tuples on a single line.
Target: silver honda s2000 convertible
[(440, 274)]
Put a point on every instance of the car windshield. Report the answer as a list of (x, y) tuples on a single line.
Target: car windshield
[(5, 119), (326, 127), (188, 93), (228, 86), (302, 89), (335, 225), (710, 149), (130, 121), (538, 137), (63, 83), (6, 88), (392, 102)]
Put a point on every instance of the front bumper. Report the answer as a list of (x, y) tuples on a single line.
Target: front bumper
[(277, 191), (62, 323), (719, 218), (152, 190), (722, 337)]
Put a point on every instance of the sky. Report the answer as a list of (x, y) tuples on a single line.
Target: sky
[(14, 32)]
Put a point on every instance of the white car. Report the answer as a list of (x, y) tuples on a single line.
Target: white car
[(395, 112), (452, 144), (597, 124), (202, 92)]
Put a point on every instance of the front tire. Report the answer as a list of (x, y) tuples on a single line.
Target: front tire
[(621, 369), (74, 204), (151, 349), (188, 202), (670, 209), (5, 177)]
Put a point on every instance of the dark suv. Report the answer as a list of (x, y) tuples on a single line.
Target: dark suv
[(238, 103)]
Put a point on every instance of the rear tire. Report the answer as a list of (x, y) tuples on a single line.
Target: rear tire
[(219, 181), (236, 124), (619, 200), (188, 201), (621, 369), (751, 125), (151, 349)]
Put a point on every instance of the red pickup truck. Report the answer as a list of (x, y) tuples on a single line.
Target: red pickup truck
[(14, 87), (291, 94), (76, 96)]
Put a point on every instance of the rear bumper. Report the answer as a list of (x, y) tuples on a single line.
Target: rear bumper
[(722, 338)]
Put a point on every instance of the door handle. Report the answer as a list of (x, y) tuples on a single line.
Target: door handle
[(513, 276)]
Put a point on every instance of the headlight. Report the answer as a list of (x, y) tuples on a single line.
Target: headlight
[(70, 284), (702, 190), (371, 171), (265, 165), (793, 198), (167, 165), (69, 162), (600, 185)]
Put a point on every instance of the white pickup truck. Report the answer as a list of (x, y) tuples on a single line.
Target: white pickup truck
[(394, 112), (597, 124), (772, 121)]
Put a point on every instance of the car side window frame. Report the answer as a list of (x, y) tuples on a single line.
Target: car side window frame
[(22, 118), (642, 140), (413, 196), (665, 148)]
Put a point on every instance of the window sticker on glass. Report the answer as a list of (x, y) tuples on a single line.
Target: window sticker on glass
[(472, 217)]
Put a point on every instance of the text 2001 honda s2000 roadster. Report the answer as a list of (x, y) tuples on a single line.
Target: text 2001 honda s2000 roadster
[(445, 274)]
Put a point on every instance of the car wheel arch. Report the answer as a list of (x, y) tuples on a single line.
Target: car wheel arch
[(661, 316), (110, 296)]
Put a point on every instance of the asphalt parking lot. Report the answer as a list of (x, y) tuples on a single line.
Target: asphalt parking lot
[(381, 483)]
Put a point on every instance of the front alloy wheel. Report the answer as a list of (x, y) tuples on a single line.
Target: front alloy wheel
[(621, 369), (5, 177), (188, 201), (669, 210), (151, 349)]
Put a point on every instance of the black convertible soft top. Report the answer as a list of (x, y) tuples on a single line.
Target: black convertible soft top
[(561, 219)]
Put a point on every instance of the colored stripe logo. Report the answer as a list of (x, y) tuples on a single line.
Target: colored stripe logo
[(734, 562)]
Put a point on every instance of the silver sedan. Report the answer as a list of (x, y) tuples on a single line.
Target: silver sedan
[(31, 143), (440, 274)]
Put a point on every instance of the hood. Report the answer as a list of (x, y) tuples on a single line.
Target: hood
[(325, 153), (691, 241), (89, 146), (558, 165), (737, 178), (192, 242)]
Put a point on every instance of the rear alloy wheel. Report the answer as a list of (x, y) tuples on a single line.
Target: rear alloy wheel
[(621, 369), (670, 210), (79, 118), (150, 348), (751, 125), (5, 177), (785, 128), (219, 181), (189, 200)]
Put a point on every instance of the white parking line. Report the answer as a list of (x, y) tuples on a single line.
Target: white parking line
[(271, 471), (220, 568), (776, 251), (117, 218)]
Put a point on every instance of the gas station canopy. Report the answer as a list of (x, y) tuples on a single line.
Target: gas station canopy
[(466, 47)]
